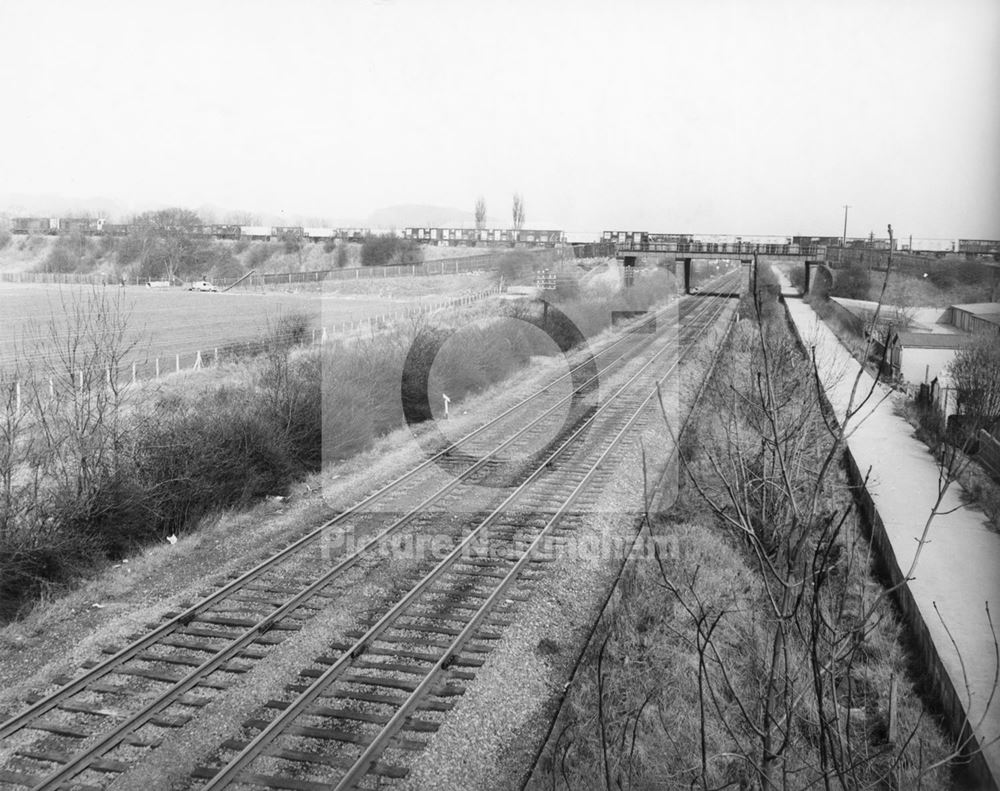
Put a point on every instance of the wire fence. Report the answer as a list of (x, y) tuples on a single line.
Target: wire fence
[(15, 391)]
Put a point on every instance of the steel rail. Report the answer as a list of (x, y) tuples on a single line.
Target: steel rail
[(257, 745), (167, 697), (20, 720), (377, 746)]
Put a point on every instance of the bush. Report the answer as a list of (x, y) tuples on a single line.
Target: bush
[(852, 283), (217, 260), (71, 252), (185, 455), (5, 238), (389, 250), (290, 243), (128, 249), (342, 258), (259, 253)]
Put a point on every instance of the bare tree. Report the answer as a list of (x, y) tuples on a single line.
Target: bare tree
[(517, 211), (792, 701), (975, 372), (480, 212), (243, 218)]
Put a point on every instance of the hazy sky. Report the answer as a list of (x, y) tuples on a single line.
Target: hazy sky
[(706, 116)]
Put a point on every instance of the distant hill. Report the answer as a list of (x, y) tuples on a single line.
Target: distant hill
[(419, 216)]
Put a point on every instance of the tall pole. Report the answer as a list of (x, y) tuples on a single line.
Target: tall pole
[(843, 241)]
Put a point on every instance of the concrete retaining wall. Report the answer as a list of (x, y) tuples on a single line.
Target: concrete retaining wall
[(942, 688)]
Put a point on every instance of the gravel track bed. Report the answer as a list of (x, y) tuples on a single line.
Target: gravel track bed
[(491, 737), (126, 599)]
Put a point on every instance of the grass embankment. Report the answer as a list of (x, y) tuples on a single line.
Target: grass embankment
[(142, 259), (758, 650), (91, 472), (937, 283)]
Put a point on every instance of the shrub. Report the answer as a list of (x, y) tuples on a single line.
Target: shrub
[(59, 260), (259, 253), (343, 256), (5, 238), (387, 250), (290, 243), (240, 246), (291, 329), (128, 249), (852, 283), (71, 252)]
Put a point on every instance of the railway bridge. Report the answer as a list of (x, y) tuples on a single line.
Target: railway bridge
[(688, 255)]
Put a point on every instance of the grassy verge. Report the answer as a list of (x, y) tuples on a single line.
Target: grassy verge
[(93, 471), (679, 689)]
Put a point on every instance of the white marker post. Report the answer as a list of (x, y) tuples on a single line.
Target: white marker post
[(446, 402)]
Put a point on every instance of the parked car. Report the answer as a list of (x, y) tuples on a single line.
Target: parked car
[(202, 285)]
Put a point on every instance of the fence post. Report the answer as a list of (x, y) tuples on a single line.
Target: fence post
[(157, 367), (177, 363), (215, 356), (79, 378), (322, 338), (133, 373), (197, 362), (17, 395), (52, 389)]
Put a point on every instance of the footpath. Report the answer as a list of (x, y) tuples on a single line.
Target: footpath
[(958, 572)]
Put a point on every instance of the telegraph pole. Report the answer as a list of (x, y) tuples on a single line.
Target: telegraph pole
[(843, 242)]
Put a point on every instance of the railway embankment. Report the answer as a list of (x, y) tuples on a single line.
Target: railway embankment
[(362, 483), (941, 558), (701, 657)]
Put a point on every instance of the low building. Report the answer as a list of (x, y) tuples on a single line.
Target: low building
[(920, 357), (977, 317)]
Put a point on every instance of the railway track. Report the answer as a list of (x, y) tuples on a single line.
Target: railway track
[(162, 678)]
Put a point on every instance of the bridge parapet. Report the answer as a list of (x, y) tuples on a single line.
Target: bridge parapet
[(711, 250)]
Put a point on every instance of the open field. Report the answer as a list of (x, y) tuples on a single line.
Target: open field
[(169, 322)]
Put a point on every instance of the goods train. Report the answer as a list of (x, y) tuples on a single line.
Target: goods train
[(100, 227), (641, 241), (434, 236), (472, 236)]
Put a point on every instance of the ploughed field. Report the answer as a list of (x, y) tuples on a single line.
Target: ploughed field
[(164, 323)]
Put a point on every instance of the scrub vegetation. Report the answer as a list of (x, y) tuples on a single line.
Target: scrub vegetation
[(758, 649), (93, 468)]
